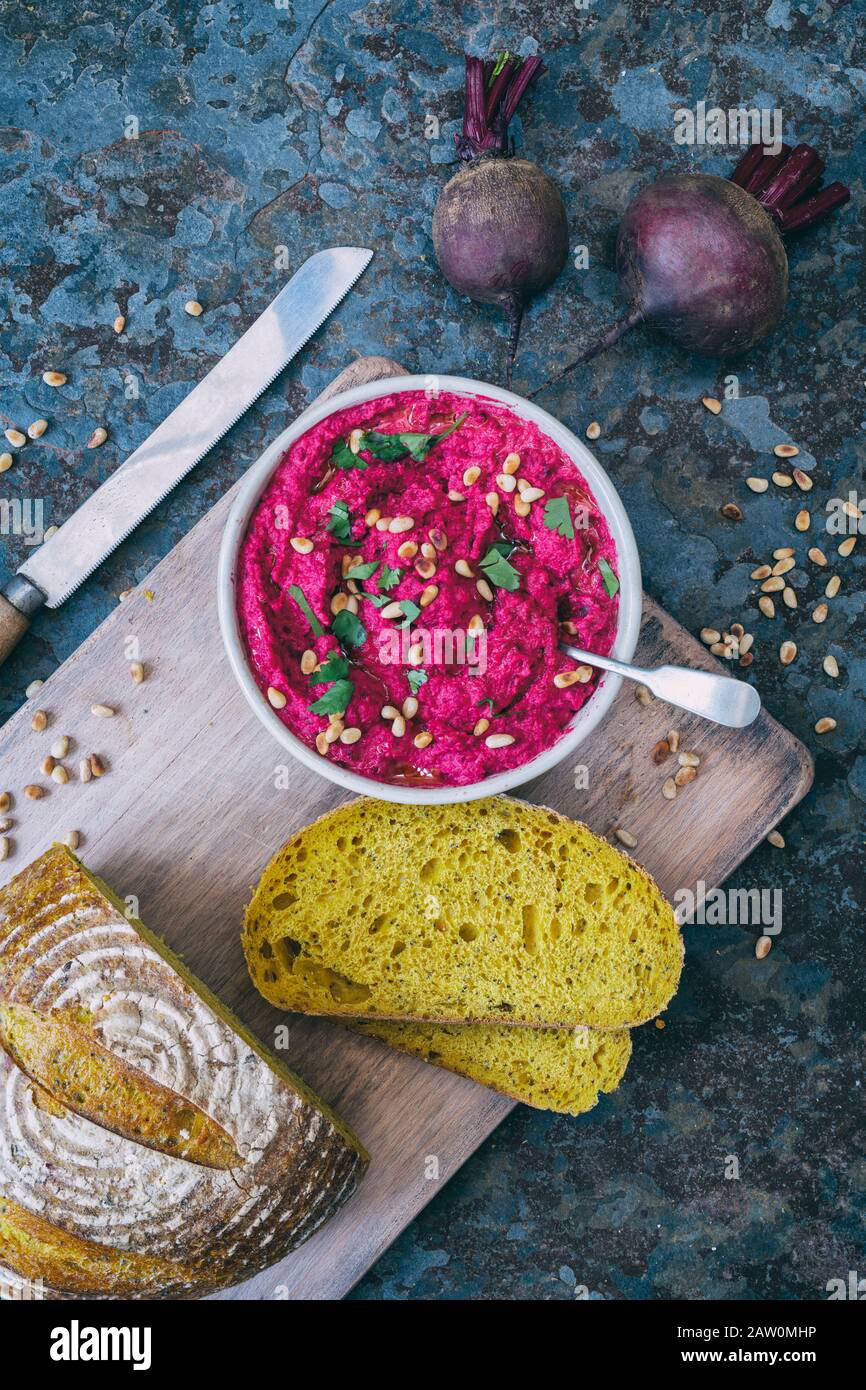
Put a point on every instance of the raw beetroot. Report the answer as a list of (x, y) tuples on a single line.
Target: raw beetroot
[(702, 257), (499, 228)]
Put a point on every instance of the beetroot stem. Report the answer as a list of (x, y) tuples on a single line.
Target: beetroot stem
[(613, 335), (766, 170), (798, 173), (803, 214)]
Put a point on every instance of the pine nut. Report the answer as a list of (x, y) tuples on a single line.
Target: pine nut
[(372, 516), (60, 774), (193, 308), (492, 500), (484, 590), (709, 635), (787, 653), (39, 721), (789, 598), (746, 642), (6, 462), (37, 429), (415, 654), (481, 727), (32, 688), (425, 569), (499, 740), (46, 767), (439, 538), (673, 740), (522, 507), (817, 556), (762, 572), (784, 565), (463, 567), (475, 624), (803, 481), (398, 727), (851, 509), (352, 604), (136, 670), (338, 603), (688, 760), (119, 324), (428, 595), (642, 695), (593, 430), (103, 711), (401, 524), (785, 451), (847, 546), (712, 405), (563, 679), (51, 531), (454, 496), (408, 550), (429, 551), (757, 484), (471, 476), (660, 752), (782, 479), (33, 792), (506, 482), (731, 511), (54, 378), (16, 438), (392, 611), (309, 662), (803, 520), (72, 839), (302, 544), (322, 745), (773, 586), (84, 771), (389, 712), (685, 775), (383, 523), (97, 767), (334, 729), (776, 839), (532, 494), (511, 463), (276, 697), (5, 801), (356, 437), (819, 613), (410, 707), (834, 584), (831, 666), (423, 740), (99, 436), (625, 837), (825, 725), (60, 746), (350, 735), (669, 789), (762, 946)]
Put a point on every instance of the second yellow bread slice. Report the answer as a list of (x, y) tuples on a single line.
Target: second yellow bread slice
[(561, 1069), (491, 912)]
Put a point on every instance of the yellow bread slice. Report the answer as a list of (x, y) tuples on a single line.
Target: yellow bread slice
[(560, 1069), (491, 912)]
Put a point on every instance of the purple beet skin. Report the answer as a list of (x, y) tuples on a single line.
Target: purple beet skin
[(702, 258)]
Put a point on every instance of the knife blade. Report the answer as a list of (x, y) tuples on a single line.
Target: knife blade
[(112, 512)]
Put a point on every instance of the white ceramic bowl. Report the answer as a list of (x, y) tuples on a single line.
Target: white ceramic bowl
[(586, 719)]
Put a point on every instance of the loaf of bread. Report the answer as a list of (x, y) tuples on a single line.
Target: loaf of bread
[(149, 1146), (490, 912), (562, 1069)]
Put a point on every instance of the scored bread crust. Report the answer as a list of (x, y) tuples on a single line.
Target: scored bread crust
[(68, 949), (263, 973)]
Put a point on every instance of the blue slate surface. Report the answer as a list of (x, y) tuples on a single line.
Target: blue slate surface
[(297, 126)]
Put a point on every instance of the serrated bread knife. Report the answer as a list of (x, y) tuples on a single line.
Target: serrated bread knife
[(108, 516)]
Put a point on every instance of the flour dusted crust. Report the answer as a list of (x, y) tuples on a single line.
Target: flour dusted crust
[(65, 947)]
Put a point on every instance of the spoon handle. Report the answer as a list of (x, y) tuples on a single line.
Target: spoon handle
[(722, 699)]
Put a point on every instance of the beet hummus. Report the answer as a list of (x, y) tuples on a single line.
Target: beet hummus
[(405, 582)]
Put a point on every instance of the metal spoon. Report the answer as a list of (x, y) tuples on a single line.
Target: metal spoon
[(720, 698)]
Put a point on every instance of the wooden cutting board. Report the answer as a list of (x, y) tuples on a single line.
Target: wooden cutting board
[(191, 809)]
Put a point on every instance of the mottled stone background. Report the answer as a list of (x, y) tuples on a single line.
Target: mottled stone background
[(304, 125)]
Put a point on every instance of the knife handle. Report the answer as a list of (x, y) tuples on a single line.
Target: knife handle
[(13, 625)]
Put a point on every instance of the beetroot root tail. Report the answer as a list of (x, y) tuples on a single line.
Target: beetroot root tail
[(611, 336), (513, 308)]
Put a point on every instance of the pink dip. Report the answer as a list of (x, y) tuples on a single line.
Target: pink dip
[(559, 580)]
